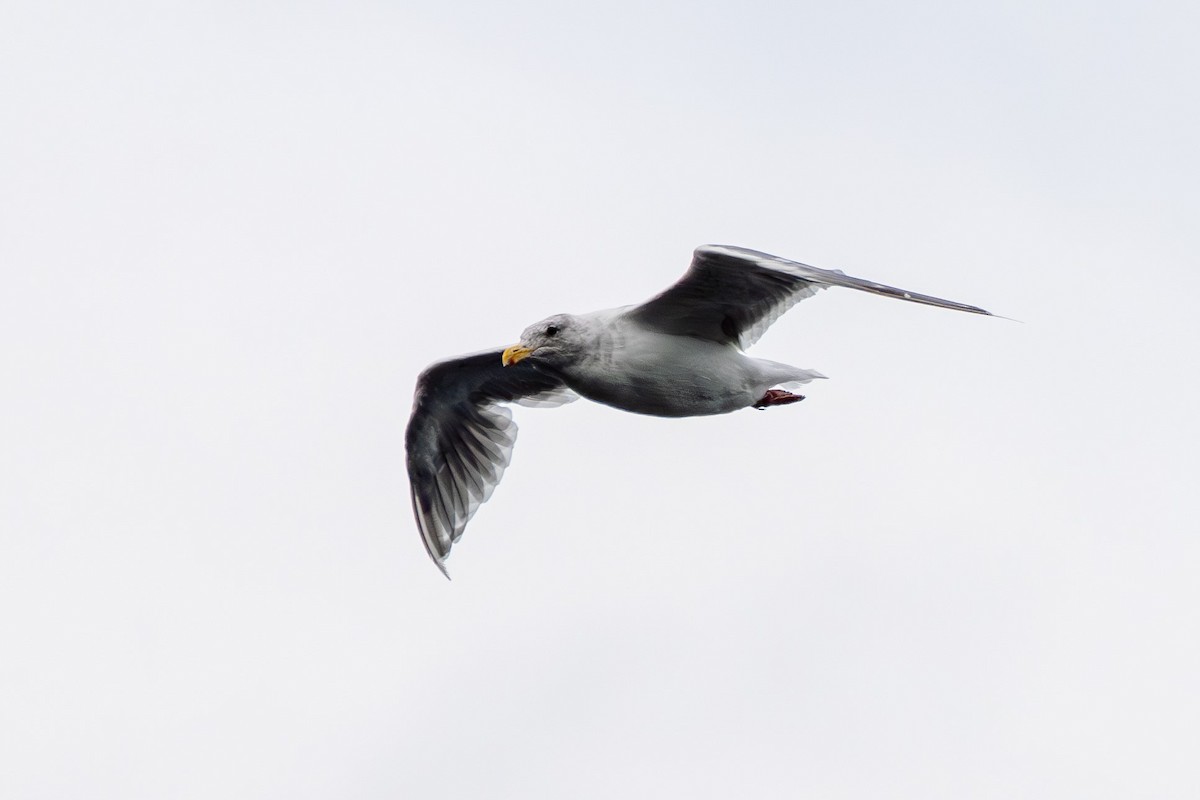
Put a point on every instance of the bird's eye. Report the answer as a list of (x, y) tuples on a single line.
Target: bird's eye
[(552, 330)]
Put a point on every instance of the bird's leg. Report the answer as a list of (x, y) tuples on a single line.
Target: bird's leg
[(777, 397)]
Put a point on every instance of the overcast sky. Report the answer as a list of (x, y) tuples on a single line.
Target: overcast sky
[(231, 235)]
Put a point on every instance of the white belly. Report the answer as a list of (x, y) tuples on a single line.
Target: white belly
[(669, 376)]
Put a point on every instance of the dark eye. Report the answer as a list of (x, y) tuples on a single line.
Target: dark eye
[(552, 330)]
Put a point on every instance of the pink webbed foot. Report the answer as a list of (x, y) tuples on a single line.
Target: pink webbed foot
[(777, 397)]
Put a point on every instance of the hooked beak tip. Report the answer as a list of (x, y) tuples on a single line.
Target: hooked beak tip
[(515, 354)]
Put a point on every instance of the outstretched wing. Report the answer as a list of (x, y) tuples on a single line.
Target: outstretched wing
[(460, 438), (732, 295)]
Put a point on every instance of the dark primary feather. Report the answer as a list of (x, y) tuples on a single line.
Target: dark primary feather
[(460, 438), (732, 295)]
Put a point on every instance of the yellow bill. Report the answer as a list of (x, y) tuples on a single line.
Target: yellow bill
[(515, 354)]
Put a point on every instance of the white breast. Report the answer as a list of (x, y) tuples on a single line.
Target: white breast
[(647, 372)]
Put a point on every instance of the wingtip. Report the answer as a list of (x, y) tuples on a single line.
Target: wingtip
[(986, 313)]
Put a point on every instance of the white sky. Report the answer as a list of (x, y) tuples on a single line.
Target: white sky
[(231, 234)]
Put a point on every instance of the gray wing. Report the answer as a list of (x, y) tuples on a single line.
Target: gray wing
[(460, 438), (732, 295)]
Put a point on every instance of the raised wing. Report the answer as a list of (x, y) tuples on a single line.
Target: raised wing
[(460, 438), (732, 295)]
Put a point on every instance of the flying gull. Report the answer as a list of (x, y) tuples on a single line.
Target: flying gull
[(676, 355)]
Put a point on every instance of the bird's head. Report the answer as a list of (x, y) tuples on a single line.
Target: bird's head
[(555, 340)]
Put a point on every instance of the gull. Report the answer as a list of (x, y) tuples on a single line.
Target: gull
[(678, 354)]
